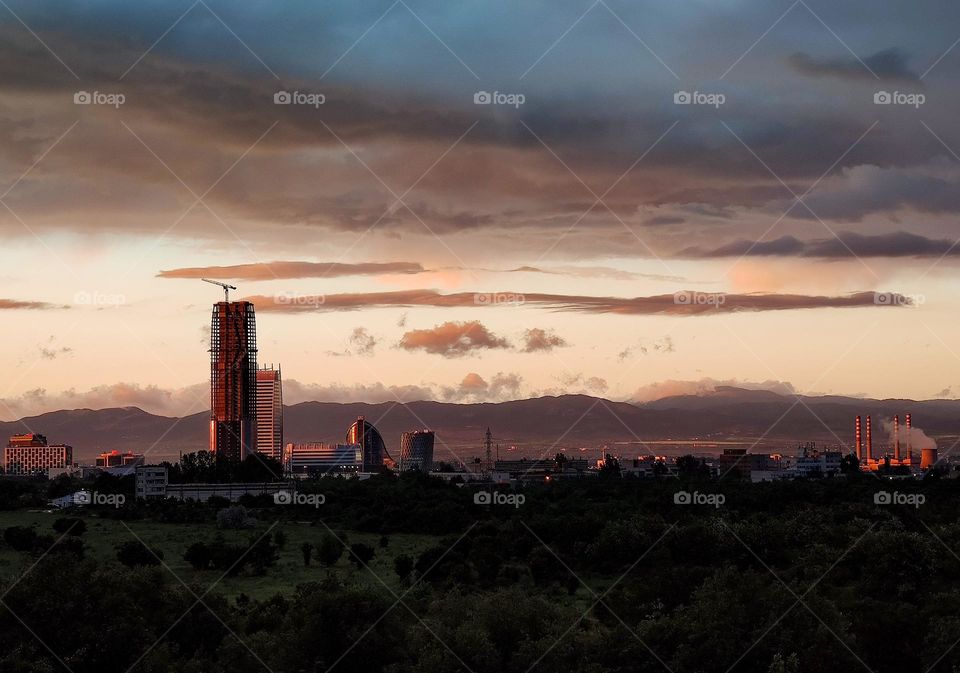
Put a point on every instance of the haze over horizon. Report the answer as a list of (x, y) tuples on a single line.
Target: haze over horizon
[(407, 237)]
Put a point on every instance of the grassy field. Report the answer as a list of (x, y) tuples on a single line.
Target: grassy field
[(103, 536)]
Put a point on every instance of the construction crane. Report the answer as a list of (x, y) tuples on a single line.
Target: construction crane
[(226, 288)]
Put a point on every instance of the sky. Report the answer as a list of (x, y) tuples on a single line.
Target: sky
[(479, 201)]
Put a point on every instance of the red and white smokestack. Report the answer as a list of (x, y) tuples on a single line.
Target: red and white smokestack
[(896, 437), (909, 439), (859, 442), (869, 441)]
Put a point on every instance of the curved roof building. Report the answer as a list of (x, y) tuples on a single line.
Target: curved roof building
[(371, 443)]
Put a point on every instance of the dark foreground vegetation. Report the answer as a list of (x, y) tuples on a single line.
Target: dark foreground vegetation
[(605, 575)]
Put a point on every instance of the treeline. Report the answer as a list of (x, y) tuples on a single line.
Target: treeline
[(811, 576)]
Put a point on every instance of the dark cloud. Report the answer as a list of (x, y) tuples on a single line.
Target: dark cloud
[(538, 339), (863, 190), (845, 245), (889, 64), (284, 270), (452, 339), (201, 115), (685, 303)]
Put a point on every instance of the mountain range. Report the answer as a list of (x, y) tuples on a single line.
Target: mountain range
[(702, 423)]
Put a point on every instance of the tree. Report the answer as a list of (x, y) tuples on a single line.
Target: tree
[(361, 554), (70, 526), (262, 555), (849, 464), (198, 467), (691, 466), (403, 566), (306, 549), (21, 538), (134, 553), (610, 468), (329, 550), (258, 467), (780, 665), (198, 555)]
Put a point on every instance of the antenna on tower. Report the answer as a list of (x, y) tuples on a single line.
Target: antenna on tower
[(226, 288)]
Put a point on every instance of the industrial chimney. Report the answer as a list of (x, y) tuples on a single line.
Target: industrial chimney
[(896, 438), (859, 442), (909, 439), (869, 441)]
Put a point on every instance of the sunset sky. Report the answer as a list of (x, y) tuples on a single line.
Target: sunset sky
[(401, 241)]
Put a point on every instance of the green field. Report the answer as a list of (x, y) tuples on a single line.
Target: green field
[(103, 536)]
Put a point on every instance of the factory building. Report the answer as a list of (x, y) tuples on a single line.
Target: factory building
[(894, 455)]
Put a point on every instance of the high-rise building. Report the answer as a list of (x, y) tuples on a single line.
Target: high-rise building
[(30, 454), (416, 450), (233, 380), (270, 412), (370, 441)]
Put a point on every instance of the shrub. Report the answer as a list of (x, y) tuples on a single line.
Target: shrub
[(235, 518), (134, 553)]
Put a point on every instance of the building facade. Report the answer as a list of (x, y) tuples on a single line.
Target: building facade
[(270, 413), (315, 459), (233, 380), (117, 459), (372, 447), (31, 454), (151, 481), (416, 450)]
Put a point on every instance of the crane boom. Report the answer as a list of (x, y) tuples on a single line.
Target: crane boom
[(225, 286)]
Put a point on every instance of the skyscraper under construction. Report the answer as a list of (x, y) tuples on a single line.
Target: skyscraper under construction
[(233, 380)]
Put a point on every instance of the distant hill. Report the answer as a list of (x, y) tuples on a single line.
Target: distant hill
[(539, 424)]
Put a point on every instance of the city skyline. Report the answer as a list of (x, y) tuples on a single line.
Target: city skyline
[(422, 203)]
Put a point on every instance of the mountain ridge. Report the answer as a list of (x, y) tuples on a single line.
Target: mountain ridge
[(548, 423)]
